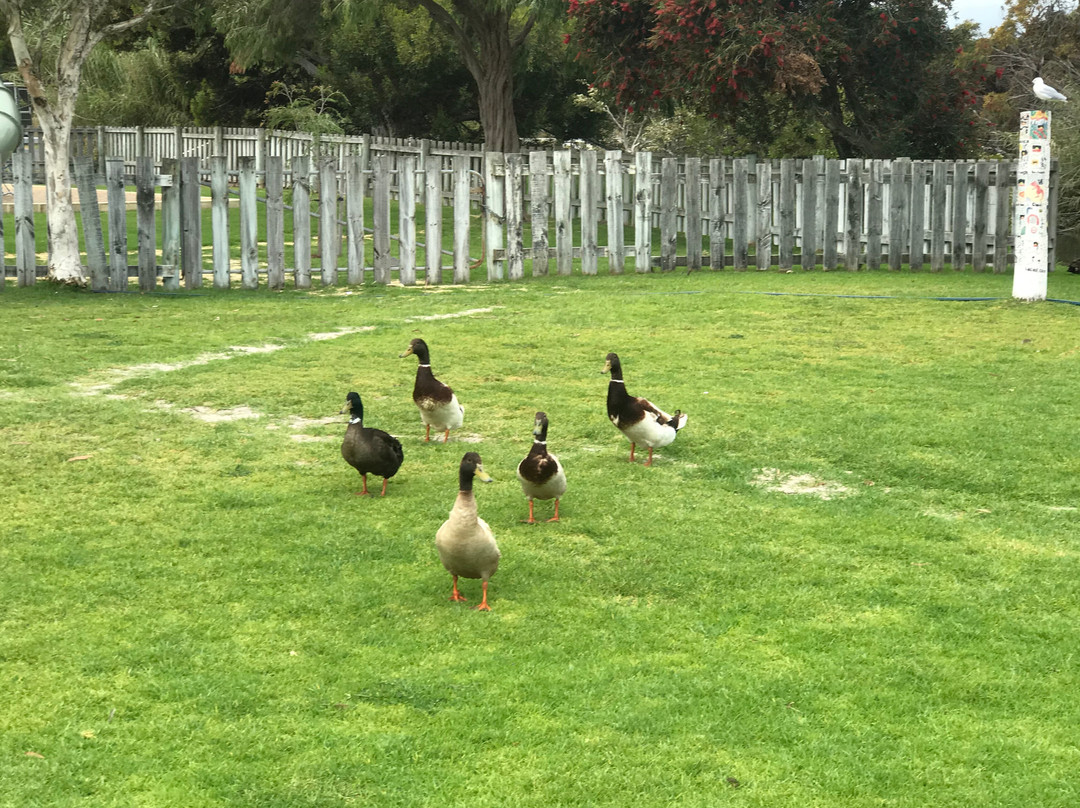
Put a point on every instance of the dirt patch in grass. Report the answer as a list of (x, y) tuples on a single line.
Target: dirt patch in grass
[(799, 484)]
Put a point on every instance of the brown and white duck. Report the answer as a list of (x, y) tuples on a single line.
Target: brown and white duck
[(638, 418), (437, 403), (369, 451), (541, 474), (465, 542)]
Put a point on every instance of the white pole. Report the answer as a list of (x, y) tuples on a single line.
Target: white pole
[(1032, 192)]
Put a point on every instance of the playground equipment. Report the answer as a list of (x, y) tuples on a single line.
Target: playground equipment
[(11, 130)]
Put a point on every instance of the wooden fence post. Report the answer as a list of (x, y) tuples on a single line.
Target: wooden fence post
[(918, 215), (275, 222), (219, 220), (564, 224), (462, 202), (810, 222), (717, 213), (301, 185), (329, 240), (741, 213), (118, 248), (959, 214), (515, 218), (538, 198), (937, 217), (433, 220), (899, 203), (144, 203), (763, 251), (407, 221), (249, 225), (854, 226), (1003, 187), (643, 212), (874, 213), (381, 219), (190, 223), (616, 225), (494, 213), (786, 209), (831, 202), (981, 216), (90, 214), (22, 164), (355, 177), (170, 224), (669, 232), (590, 210)]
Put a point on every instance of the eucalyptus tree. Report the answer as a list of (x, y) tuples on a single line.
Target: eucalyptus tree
[(51, 41)]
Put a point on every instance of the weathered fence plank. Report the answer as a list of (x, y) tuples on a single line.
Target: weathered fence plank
[(959, 214), (918, 215), (25, 254), (643, 212), (741, 213), (763, 217), (831, 201), (938, 192), (275, 222), (874, 223), (564, 223), (1003, 189), (854, 226), (249, 226), (144, 217), (515, 218), (669, 233), (494, 214), (170, 224), (301, 187), (380, 214), (355, 180), (462, 203), (433, 221), (538, 198), (810, 225), (190, 223), (118, 247), (899, 218), (786, 259), (219, 219), (90, 213), (589, 191), (407, 221), (717, 205), (329, 238), (981, 216), (616, 205)]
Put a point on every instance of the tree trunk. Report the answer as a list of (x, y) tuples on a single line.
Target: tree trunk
[(496, 92), (65, 263)]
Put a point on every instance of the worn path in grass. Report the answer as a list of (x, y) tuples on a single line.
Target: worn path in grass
[(851, 581)]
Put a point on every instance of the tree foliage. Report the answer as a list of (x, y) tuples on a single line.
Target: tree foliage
[(879, 75)]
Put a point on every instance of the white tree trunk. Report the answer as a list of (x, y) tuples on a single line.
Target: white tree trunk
[(65, 263)]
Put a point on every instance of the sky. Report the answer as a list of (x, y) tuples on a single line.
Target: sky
[(987, 13)]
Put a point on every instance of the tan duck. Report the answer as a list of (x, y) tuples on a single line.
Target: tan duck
[(437, 403), (369, 451), (638, 418), (541, 474), (465, 543)]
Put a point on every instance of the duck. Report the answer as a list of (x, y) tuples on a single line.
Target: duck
[(465, 542), (541, 474), (638, 418), (369, 451), (437, 403)]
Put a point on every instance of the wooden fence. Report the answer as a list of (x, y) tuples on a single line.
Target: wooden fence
[(532, 214)]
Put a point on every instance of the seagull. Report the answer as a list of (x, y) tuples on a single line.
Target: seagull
[(1045, 91)]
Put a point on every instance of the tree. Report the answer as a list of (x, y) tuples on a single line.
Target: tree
[(51, 40), (878, 75), (489, 36)]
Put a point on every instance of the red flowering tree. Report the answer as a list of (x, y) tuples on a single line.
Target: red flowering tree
[(880, 76)]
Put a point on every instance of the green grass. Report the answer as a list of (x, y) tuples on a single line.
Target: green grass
[(202, 614)]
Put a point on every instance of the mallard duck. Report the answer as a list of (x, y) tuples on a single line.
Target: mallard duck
[(638, 418), (369, 451), (465, 543), (541, 473), (438, 405)]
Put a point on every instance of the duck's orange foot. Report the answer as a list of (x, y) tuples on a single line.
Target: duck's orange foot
[(554, 519), (482, 607), (457, 596)]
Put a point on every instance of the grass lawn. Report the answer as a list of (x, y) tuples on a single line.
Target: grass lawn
[(852, 580)]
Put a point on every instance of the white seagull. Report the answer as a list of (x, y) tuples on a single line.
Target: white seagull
[(1045, 91)]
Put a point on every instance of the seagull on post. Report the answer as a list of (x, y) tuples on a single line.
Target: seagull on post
[(1045, 92)]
